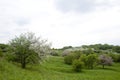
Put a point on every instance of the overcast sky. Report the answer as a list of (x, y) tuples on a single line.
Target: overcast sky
[(62, 22)]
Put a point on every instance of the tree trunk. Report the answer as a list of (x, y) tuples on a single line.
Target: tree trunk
[(103, 66), (23, 64), (92, 67)]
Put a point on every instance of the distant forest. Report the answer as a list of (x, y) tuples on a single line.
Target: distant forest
[(98, 47)]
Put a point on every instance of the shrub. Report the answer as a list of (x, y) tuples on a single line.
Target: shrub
[(89, 60), (115, 57), (71, 57), (118, 58), (77, 65), (54, 53), (83, 58), (10, 57), (88, 51), (66, 52)]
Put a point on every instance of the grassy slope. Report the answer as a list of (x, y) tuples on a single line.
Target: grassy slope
[(55, 69)]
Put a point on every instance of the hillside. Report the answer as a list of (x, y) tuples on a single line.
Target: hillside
[(55, 69)]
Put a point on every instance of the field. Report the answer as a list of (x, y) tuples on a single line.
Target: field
[(55, 69)]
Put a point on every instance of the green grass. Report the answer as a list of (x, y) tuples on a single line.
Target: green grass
[(55, 69)]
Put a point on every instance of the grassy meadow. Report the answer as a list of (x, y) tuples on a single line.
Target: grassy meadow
[(55, 69)]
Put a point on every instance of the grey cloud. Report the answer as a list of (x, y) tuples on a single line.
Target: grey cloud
[(82, 6), (75, 5), (22, 21)]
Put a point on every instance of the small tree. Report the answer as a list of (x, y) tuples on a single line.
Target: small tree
[(54, 52), (77, 65), (115, 57), (89, 60), (105, 60), (27, 48), (71, 57)]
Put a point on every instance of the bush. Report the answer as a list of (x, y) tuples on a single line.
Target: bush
[(10, 57), (89, 60), (83, 58), (77, 65), (118, 58), (66, 52), (71, 57), (54, 53), (115, 57)]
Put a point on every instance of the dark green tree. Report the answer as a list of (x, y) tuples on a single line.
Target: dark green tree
[(116, 49), (77, 65), (89, 60)]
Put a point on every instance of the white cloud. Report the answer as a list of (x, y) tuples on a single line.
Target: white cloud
[(101, 25)]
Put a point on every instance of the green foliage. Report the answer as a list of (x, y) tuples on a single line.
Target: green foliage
[(88, 51), (66, 47), (27, 48), (89, 60), (4, 47), (1, 53), (116, 49), (115, 57), (71, 57), (10, 57), (54, 53), (118, 59), (99, 46), (92, 60), (83, 58), (77, 65)]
